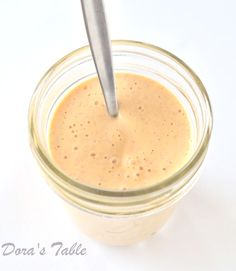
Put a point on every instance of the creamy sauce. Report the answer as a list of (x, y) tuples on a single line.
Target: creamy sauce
[(149, 140)]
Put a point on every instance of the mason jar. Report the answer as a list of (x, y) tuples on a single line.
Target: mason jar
[(121, 217)]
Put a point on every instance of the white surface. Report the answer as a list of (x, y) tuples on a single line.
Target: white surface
[(34, 34)]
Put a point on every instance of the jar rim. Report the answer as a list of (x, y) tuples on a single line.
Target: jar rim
[(167, 182)]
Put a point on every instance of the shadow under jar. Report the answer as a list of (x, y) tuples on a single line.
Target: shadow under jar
[(121, 217)]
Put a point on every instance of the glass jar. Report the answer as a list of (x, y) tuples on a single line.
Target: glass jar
[(121, 217)]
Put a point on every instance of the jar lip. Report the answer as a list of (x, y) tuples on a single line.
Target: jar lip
[(166, 183)]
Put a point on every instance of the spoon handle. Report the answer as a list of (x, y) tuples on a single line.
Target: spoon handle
[(98, 36)]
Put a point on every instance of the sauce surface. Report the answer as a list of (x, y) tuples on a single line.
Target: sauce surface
[(149, 140)]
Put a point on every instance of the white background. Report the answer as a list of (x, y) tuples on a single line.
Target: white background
[(201, 235)]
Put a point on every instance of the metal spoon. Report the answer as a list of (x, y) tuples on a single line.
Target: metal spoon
[(98, 36)]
